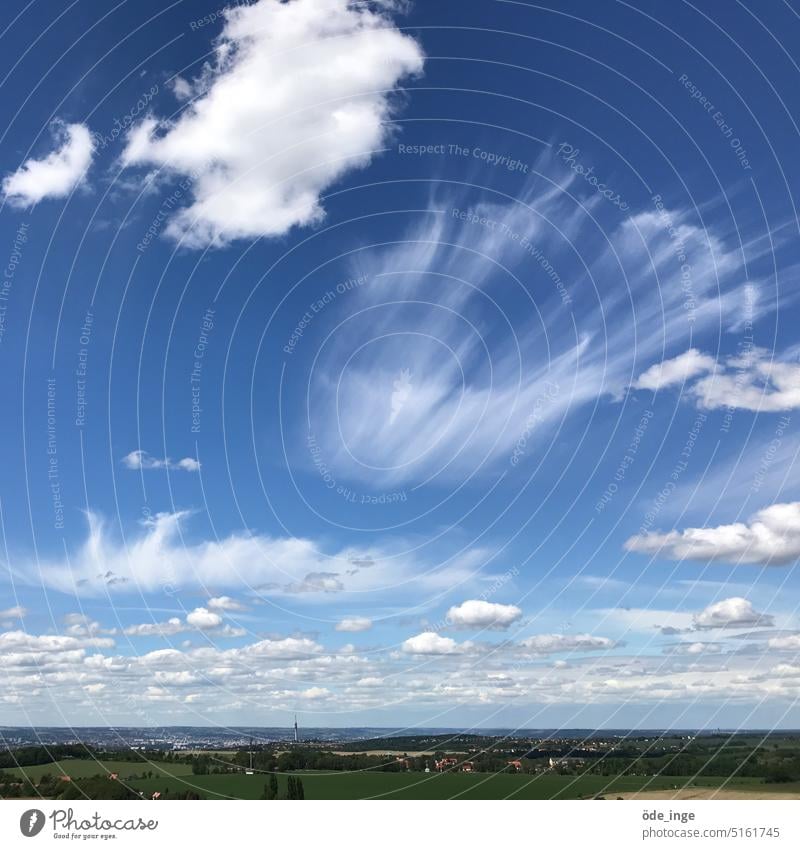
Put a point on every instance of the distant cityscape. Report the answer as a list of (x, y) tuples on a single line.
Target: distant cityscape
[(179, 737)]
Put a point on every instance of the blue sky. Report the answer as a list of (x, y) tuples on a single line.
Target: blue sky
[(396, 365)]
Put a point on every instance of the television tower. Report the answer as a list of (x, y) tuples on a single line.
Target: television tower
[(295, 729)]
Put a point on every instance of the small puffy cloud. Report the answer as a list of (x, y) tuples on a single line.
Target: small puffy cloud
[(754, 381), (225, 603), (354, 624), (731, 613), (203, 619), (694, 648), (299, 93), (157, 629), (58, 173), (137, 460), (315, 693), (315, 582), (200, 619), (17, 612), (80, 625), (431, 643), (770, 537), (677, 370), (182, 88), (288, 648), (786, 643), (555, 643), (475, 614)]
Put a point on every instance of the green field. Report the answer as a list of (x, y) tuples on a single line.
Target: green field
[(85, 767), (178, 778), (391, 785)]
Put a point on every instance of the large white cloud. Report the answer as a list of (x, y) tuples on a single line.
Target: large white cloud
[(476, 613), (771, 536), (58, 173), (734, 612), (299, 93)]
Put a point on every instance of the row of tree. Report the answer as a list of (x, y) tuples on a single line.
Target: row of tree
[(294, 788)]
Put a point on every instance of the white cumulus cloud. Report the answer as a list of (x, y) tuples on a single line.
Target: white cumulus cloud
[(483, 614), (754, 381), (172, 626), (787, 643), (298, 94), (354, 624), (732, 613), (770, 537), (203, 619), (137, 460), (58, 173), (677, 370), (555, 643), (225, 603), (431, 643)]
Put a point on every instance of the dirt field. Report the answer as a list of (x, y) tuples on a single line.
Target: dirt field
[(705, 793)]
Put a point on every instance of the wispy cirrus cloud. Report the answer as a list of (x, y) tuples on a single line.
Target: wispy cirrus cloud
[(469, 394), (159, 555)]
